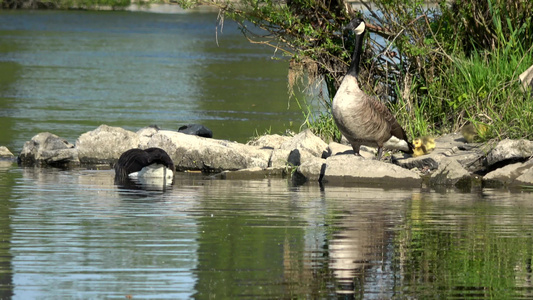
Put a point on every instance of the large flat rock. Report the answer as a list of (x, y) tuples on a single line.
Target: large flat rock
[(105, 144), (520, 173), (191, 152), (347, 169)]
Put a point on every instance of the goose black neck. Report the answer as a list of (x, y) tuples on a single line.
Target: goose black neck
[(356, 57)]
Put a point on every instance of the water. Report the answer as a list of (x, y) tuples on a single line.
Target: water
[(74, 234), (69, 72)]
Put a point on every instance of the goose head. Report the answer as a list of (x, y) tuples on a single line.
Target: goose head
[(357, 25)]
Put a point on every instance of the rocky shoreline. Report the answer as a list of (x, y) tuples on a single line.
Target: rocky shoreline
[(303, 157)]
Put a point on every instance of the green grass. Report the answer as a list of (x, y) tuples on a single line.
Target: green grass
[(482, 89)]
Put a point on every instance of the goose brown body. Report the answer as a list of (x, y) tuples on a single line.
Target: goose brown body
[(363, 119)]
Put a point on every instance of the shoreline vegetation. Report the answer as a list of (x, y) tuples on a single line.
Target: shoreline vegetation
[(440, 68)]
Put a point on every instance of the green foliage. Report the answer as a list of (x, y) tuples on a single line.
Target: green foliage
[(453, 75), (321, 123), (323, 126), (487, 25)]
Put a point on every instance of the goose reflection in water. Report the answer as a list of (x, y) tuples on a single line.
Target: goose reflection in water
[(356, 253)]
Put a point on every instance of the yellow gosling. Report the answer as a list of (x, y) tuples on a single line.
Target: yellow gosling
[(429, 142), (418, 148), (423, 145)]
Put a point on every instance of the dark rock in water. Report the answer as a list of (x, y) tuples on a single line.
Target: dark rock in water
[(196, 129)]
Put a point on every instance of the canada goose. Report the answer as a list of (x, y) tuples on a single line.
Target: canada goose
[(472, 132), (362, 119), (423, 145), (430, 143), (418, 148), (151, 163)]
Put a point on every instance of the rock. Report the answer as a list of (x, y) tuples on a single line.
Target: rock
[(512, 174), (196, 129), (190, 152), (292, 151), (422, 163), (297, 157), (310, 170), (451, 173), (509, 151), (5, 153), (105, 144), (305, 156), (527, 78), (306, 141), (47, 148), (451, 146), (279, 158), (335, 148), (271, 141), (145, 134), (253, 173), (351, 169), (526, 178)]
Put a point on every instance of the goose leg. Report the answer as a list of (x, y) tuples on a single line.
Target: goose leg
[(355, 147), (380, 153)]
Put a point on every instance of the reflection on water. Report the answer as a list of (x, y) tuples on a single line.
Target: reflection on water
[(74, 234)]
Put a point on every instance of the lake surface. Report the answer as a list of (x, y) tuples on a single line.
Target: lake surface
[(73, 234), (69, 72)]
